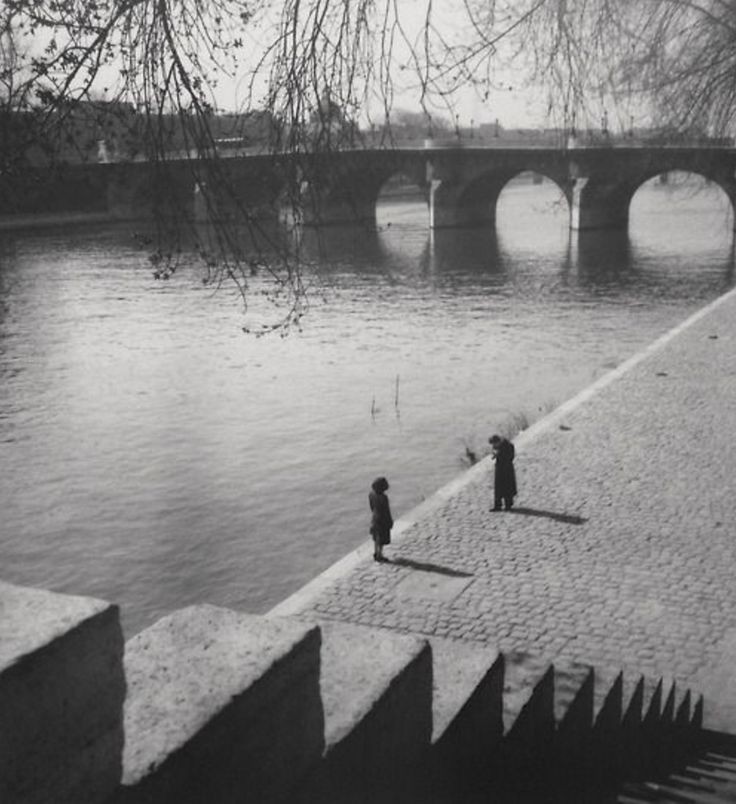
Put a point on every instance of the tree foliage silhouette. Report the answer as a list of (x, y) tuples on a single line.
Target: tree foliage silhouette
[(153, 75)]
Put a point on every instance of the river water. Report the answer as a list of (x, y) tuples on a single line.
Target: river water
[(155, 456)]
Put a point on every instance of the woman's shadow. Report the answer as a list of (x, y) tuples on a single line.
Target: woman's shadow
[(569, 519), (427, 567)]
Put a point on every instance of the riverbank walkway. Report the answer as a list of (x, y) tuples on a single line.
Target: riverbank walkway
[(621, 551)]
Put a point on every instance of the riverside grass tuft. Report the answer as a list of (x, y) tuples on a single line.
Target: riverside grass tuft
[(509, 427)]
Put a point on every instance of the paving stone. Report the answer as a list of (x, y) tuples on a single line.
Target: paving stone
[(644, 582)]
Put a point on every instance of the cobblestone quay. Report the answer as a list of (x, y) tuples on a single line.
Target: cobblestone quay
[(622, 549)]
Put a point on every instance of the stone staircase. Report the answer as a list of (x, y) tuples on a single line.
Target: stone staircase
[(707, 777), (210, 705)]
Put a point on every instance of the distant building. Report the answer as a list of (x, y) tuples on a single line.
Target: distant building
[(97, 131), (77, 132), (329, 126)]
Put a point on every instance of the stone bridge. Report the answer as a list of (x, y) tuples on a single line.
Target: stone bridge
[(461, 184)]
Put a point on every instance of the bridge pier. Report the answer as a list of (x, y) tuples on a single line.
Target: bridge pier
[(336, 210), (728, 185), (136, 191), (447, 212), (455, 206), (599, 205), (324, 194), (593, 204), (124, 196)]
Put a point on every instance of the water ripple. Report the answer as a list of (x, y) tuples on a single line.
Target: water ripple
[(154, 456)]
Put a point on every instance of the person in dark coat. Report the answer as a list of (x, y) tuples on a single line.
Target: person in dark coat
[(381, 520), (504, 480)]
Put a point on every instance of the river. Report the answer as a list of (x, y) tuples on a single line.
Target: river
[(155, 456)]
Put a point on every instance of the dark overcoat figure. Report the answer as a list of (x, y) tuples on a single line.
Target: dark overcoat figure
[(381, 520), (504, 480)]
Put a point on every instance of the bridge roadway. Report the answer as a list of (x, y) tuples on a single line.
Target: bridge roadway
[(461, 184), (622, 549)]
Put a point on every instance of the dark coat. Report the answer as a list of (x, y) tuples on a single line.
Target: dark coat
[(504, 480), (381, 521)]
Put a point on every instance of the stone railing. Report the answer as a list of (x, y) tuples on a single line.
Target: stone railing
[(210, 705)]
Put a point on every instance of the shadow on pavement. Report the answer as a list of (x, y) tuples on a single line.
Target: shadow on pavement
[(420, 565), (570, 519)]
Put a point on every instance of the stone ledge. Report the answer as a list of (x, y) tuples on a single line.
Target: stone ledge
[(221, 704), (61, 697)]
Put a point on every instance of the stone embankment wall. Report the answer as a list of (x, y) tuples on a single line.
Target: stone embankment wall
[(210, 705)]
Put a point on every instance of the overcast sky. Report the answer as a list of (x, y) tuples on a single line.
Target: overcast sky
[(510, 102)]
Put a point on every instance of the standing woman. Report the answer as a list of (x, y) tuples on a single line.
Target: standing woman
[(504, 481), (381, 521)]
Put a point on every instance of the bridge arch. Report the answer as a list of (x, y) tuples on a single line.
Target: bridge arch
[(607, 204), (666, 196), (346, 189), (475, 202), (397, 195), (602, 199), (725, 184)]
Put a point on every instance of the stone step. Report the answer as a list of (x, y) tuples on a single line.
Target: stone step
[(718, 777), (641, 705), (658, 704), (528, 698), (605, 739), (221, 707), (376, 690), (652, 703), (574, 694), (630, 717), (608, 691), (719, 760), (633, 695), (468, 680), (663, 729), (698, 781), (229, 707), (61, 697), (467, 713), (524, 754), (574, 689), (684, 711), (549, 715), (682, 780), (696, 721), (674, 761), (573, 722), (674, 737), (670, 701)]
